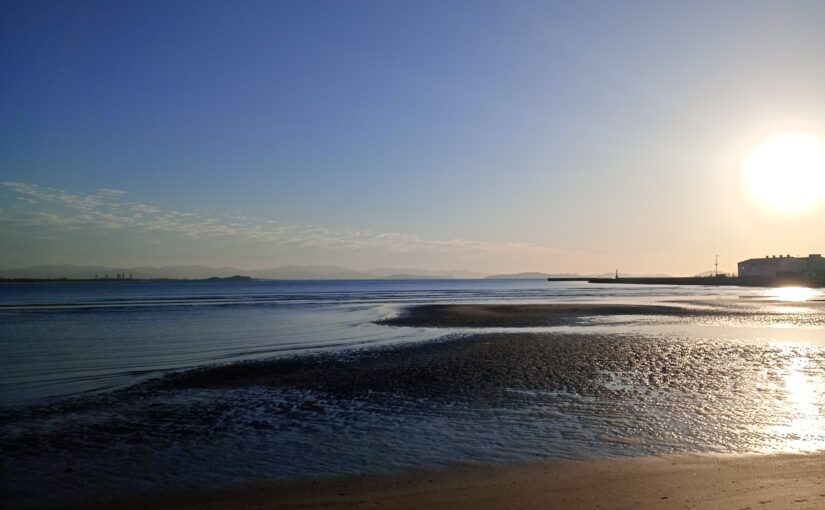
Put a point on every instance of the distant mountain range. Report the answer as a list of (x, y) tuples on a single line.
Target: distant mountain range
[(202, 272), (533, 276), (292, 272)]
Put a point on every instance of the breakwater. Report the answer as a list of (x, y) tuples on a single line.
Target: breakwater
[(718, 281)]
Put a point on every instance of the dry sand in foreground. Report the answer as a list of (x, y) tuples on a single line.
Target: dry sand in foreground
[(706, 482)]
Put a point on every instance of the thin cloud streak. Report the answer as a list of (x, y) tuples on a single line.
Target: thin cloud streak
[(110, 209)]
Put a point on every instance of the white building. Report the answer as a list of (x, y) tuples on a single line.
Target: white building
[(783, 266)]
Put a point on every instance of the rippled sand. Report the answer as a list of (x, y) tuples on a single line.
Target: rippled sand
[(490, 367)]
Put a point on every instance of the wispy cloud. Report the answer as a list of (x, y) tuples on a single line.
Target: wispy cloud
[(46, 207), (35, 194)]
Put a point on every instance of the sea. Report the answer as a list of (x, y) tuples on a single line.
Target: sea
[(85, 414)]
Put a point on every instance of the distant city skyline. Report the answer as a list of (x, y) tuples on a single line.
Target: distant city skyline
[(480, 136)]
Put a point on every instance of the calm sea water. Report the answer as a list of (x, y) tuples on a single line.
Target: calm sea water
[(60, 340), (745, 376)]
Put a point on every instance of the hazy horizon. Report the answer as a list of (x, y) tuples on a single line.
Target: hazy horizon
[(486, 137), (284, 272)]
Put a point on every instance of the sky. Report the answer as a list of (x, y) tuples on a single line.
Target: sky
[(485, 136)]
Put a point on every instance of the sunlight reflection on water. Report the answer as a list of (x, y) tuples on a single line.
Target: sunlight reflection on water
[(798, 423), (794, 294)]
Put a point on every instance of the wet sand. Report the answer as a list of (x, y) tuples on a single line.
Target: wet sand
[(702, 482), (484, 367), (523, 315)]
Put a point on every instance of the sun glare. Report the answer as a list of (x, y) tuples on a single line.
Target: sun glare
[(793, 294), (786, 172)]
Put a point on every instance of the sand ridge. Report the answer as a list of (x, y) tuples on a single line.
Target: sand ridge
[(525, 315)]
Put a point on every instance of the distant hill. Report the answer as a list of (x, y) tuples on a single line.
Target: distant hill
[(343, 273), (236, 278), (710, 272), (406, 276), (532, 276), (309, 273), (632, 275), (450, 273), (197, 272)]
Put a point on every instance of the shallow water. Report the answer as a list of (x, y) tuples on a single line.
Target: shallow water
[(360, 398), (60, 340)]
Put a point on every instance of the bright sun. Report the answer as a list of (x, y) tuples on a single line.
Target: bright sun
[(786, 172)]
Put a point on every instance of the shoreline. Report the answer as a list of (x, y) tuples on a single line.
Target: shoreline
[(706, 481)]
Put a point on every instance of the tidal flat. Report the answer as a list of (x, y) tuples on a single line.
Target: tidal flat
[(468, 388)]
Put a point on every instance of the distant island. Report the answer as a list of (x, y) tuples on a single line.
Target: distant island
[(236, 278)]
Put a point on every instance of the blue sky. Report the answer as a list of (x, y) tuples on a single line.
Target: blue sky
[(499, 136)]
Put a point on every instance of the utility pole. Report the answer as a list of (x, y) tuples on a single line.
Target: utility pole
[(716, 267)]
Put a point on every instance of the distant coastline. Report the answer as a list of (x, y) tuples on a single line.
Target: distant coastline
[(102, 274), (714, 281), (62, 272), (236, 278)]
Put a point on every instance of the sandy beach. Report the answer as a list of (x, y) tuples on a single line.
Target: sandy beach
[(702, 482)]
